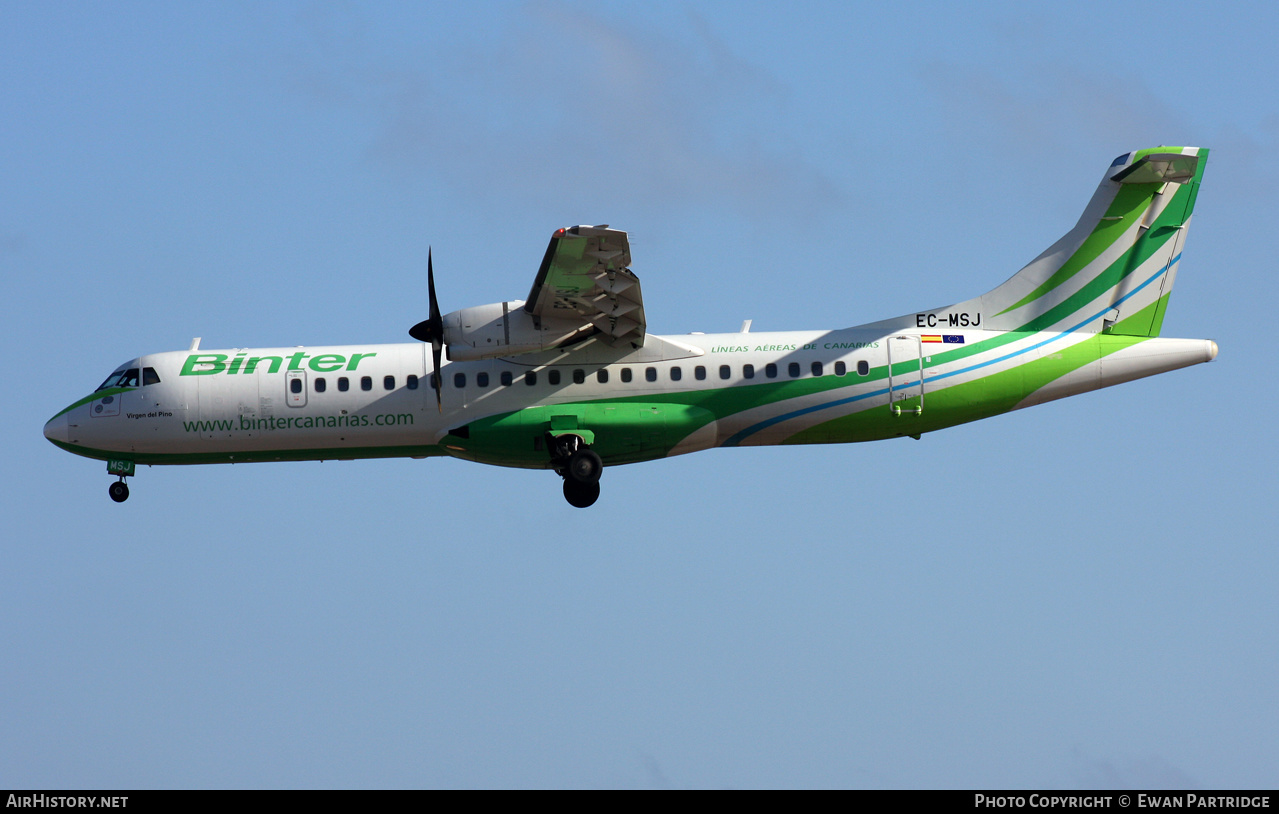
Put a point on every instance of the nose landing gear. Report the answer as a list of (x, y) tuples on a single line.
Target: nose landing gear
[(119, 490), (580, 466), (123, 467)]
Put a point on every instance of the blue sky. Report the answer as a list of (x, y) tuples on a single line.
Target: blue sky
[(1076, 595)]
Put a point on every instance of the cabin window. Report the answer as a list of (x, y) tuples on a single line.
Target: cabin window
[(320, 384), (748, 371), (366, 383), (410, 381), (676, 373), (482, 379), (770, 370), (817, 368), (149, 376), (344, 384), (601, 376), (388, 382), (295, 385), (863, 368), (793, 370), (626, 374), (579, 376), (552, 377), (506, 378), (530, 378), (699, 373), (725, 372), (459, 380), (650, 374), (840, 368)]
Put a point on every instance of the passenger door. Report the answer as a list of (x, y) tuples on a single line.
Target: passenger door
[(295, 388)]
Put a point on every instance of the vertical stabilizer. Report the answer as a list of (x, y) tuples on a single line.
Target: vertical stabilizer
[(1111, 273)]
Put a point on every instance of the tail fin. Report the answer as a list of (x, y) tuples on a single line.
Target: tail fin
[(1114, 271)]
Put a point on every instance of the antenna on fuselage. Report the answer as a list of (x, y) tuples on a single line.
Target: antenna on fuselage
[(195, 344)]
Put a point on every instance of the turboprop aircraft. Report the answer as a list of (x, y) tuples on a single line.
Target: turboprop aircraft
[(571, 380)]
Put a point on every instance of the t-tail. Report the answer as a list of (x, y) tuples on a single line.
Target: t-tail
[(1114, 271)]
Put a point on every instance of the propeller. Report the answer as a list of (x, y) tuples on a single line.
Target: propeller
[(431, 330)]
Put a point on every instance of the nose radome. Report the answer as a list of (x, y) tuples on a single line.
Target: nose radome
[(56, 429)]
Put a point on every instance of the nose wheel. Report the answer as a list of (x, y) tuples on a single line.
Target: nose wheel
[(580, 466), (119, 491)]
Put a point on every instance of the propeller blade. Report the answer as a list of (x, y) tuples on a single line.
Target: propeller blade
[(436, 321), (436, 347), (430, 329), (436, 330)]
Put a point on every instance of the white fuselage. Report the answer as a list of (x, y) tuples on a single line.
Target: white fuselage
[(334, 402)]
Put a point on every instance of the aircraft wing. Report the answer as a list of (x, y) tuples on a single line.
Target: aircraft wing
[(585, 278)]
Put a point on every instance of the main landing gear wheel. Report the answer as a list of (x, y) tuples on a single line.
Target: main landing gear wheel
[(119, 491), (585, 466), (579, 465), (581, 495)]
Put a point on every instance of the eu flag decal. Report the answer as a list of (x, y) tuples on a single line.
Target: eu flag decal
[(946, 339)]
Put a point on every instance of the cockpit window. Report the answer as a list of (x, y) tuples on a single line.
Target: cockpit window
[(122, 378), (149, 376)]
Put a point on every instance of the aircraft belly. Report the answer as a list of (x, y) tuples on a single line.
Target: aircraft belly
[(620, 432)]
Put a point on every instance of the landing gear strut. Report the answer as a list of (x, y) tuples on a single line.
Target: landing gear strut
[(119, 490), (580, 466)]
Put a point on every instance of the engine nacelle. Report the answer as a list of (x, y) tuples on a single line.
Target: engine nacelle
[(502, 329)]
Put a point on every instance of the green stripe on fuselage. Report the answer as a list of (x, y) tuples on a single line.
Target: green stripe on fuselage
[(968, 401), (110, 391), (1147, 322)]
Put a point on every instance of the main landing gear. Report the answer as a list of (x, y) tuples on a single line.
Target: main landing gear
[(119, 490), (580, 466)]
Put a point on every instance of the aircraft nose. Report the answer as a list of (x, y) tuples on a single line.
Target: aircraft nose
[(56, 429)]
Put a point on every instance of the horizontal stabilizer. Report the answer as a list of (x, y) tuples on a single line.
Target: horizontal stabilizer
[(1158, 168)]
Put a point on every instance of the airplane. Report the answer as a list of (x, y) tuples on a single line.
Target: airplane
[(571, 380)]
